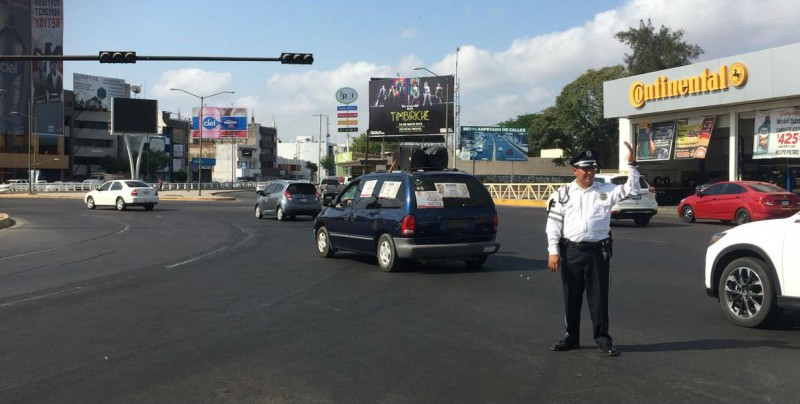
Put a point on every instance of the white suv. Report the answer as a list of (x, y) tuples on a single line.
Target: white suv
[(639, 207), (754, 269)]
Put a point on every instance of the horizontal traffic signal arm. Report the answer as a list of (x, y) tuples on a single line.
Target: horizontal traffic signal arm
[(304, 58)]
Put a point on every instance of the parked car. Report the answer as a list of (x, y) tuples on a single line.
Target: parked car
[(411, 215), (288, 199), (121, 194), (738, 201), (14, 185), (754, 270), (641, 207)]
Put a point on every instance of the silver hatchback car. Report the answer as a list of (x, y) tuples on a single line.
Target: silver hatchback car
[(640, 207), (288, 199)]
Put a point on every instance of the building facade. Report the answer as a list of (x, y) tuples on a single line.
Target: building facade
[(734, 118)]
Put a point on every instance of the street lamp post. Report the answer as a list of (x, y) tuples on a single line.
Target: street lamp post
[(446, 112), (200, 124)]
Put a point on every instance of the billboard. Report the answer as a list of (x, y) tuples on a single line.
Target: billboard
[(692, 137), (131, 115), (220, 123), (654, 140), (493, 143), (94, 93), (777, 133), (411, 108)]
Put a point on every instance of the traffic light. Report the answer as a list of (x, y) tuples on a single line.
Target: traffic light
[(297, 58), (117, 57)]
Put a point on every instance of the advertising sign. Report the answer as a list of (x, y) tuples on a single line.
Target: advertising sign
[(693, 135), (414, 109), (654, 140), (220, 123), (777, 134), (493, 143), (94, 93)]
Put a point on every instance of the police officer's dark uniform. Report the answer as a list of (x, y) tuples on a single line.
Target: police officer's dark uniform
[(578, 237)]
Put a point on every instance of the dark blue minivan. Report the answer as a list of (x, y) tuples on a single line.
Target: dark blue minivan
[(411, 215)]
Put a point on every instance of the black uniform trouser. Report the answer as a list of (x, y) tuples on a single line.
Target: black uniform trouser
[(586, 269)]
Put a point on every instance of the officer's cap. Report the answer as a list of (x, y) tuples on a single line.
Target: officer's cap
[(586, 158)]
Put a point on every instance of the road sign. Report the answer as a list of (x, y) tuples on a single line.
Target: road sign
[(347, 115), (346, 95), (351, 129), (347, 122), (346, 108)]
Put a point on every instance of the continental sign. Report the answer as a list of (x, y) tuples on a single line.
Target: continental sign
[(734, 75)]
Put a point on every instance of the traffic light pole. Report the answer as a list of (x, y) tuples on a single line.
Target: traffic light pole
[(131, 57)]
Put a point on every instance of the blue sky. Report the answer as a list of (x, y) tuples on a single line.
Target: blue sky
[(514, 57)]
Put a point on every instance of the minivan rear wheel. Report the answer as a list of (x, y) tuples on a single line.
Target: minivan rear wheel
[(385, 253)]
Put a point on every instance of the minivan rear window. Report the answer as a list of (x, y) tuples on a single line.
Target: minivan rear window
[(452, 190)]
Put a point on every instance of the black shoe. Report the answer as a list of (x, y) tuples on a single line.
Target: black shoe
[(565, 345), (608, 349)]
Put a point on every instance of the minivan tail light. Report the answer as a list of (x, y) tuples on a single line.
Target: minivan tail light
[(287, 195), (495, 222), (408, 225)]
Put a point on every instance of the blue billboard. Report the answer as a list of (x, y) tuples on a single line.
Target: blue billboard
[(493, 143)]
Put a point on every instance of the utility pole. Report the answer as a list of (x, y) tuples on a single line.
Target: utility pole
[(319, 149)]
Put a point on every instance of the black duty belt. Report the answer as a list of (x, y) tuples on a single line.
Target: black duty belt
[(583, 245)]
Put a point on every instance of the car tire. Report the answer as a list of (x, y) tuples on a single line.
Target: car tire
[(90, 203), (258, 213), (746, 294), (386, 254), (324, 247), (741, 216), (279, 214), (149, 207), (641, 221), (687, 213), (475, 262), (121, 204)]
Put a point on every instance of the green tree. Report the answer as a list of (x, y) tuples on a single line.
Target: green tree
[(654, 51), (329, 163), (578, 115), (544, 133), (113, 165), (359, 144), (312, 167), (152, 162)]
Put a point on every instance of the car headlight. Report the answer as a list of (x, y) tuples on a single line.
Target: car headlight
[(716, 237)]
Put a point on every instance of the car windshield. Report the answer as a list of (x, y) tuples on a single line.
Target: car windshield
[(766, 188), (136, 184), (304, 189), (456, 190)]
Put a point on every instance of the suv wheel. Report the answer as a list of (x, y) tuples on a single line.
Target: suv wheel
[(385, 253), (279, 214), (259, 215), (745, 292), (324, 247), (642, 220), (475, 262)]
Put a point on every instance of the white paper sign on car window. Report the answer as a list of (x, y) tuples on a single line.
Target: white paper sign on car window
[(452, 189), (429, 199), (369, 186), (389, 189)]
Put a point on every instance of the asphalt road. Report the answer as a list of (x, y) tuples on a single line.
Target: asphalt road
[(200, 302)]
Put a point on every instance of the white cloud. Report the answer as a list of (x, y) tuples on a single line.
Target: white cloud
[(499, 84)]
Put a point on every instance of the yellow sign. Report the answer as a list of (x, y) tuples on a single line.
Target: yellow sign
[(347, 122), (640, 93)]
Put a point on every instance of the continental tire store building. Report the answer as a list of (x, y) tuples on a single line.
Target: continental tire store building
[(736, 118)]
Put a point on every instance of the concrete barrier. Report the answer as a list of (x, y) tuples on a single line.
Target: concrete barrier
[(5, 221)]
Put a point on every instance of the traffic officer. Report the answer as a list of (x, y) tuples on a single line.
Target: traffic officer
[(579, 244)]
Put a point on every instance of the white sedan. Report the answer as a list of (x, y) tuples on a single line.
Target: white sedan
[(754, 269), (121, 194)]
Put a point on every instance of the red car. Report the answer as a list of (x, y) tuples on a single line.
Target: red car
[(739, 201)]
